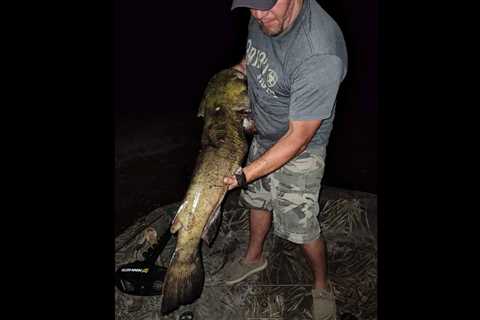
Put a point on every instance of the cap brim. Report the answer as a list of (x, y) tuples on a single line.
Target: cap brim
[(251, 4)]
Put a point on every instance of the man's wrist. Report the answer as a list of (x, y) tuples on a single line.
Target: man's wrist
[(241, 178)]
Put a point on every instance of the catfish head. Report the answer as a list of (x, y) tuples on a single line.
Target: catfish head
[(226, 100)]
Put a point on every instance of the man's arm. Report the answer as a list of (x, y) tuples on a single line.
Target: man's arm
[(313, 97), (291, 144)]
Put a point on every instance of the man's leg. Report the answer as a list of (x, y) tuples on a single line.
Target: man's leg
[(253, 261), (323, 307), (296, 210), (260, 222), (316, 254)]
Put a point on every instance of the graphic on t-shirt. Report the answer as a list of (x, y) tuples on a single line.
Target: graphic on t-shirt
[(258, 59)]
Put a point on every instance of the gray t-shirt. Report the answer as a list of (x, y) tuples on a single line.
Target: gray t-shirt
[(295, 75)]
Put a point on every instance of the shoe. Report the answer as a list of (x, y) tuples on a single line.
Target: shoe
[(239, 270), (324, 307)]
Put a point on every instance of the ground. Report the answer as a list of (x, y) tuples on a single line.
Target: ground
[(348, 221)]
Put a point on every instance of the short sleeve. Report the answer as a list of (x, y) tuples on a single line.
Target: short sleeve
[(314, 87)]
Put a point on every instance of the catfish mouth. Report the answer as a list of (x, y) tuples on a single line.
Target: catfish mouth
[(248, 123), (246, 117), (243, 109), (246, 112)]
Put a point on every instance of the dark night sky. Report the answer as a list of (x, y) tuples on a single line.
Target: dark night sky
[(165, 53)]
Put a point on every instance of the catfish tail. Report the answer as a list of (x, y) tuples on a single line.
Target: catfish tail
[(183, 282)]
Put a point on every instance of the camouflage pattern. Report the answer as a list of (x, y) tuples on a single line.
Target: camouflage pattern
[(281, 291), (291, 193)]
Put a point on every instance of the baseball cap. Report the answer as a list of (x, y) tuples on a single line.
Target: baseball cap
[(254, 4)]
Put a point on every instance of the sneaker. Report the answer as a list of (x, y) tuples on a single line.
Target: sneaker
[(323, 306), (239, 270)]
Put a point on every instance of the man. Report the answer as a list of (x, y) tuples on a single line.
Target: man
[(295, 61)]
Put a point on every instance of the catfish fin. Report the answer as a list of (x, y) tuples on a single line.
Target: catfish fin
[(183, 282), (179, 220)]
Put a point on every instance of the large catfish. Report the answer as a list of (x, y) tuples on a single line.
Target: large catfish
[(225, 108)]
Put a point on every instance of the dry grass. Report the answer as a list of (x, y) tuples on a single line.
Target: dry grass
[(282, 290)]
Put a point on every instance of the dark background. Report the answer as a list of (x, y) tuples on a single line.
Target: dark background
[(165, 53)]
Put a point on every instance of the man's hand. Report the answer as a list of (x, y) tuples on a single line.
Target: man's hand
[(239, 179), (242, 66), (231, 181)]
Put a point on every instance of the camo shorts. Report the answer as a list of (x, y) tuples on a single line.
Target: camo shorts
[(290, 193)]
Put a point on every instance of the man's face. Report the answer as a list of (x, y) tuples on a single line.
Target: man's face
[(274, 21)]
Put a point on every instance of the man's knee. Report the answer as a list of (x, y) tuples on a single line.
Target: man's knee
[(255, 211)]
